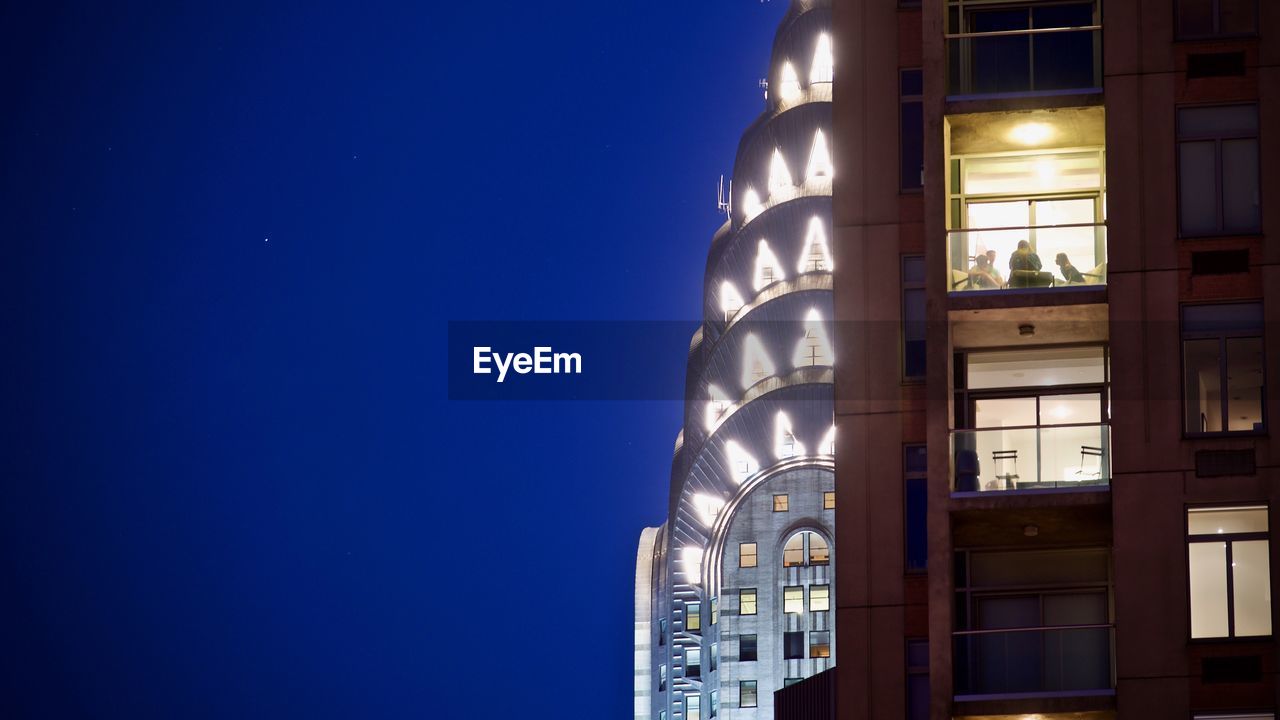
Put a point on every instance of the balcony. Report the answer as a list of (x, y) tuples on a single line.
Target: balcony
[(1059, 660), (1032, 458), (1032, 49), (994, 259)]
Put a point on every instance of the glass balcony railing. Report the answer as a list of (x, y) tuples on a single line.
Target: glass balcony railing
[(1024, 60), (1065, 660), (1028, 458), (1055, 256)]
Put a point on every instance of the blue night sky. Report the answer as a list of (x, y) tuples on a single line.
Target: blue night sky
[(233, 485)]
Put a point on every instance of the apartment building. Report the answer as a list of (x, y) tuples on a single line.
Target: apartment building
[(1057, 312)]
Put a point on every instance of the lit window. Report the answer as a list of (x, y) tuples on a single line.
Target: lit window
[(747, 555), (784, 440), (805, 545), (693, 662), (780, 503), (829, 442), (823, 61), (751, 206), (819, 158), (730, 300), (740, 461), (746, 648), (1218, 170), (747, 693), (1217, 18), (692, 707), (1222, 359), (820, 644), (793, 645), (793, 600), (829, 500), (756, 365), (814, 348), (819, 598), (819, 553), (747, 601), (715, 610), (779, 176), (693, 617), (1230, 575), (788, 83), (768, 269), (816, 256)]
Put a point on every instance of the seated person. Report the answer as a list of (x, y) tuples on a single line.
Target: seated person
[(1024, 259), (995, 272), (980, 274), (1069, 271)]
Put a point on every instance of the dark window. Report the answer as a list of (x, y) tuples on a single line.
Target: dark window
[(662, 632), (1002, 52), (917, 680), (913, 317), (915, 467), (715, 654), (746, 648), (693, 662), (911, 130), (715, 702), (1218, 187), (1212, 18), (1223, 368), (793, 645), (788, 682)]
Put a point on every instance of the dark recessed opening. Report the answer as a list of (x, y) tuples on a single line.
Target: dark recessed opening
[(1224, 463), (1238, 669), (1219, 262), (1206, 65)]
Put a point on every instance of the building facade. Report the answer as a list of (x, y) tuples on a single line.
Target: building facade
[(734, 590), (1056, 304)]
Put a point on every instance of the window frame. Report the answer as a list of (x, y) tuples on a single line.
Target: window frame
[(755, 693), (1227, 539), (1217, 139), (782, 502), (826, 597), (1222, 336), (787, 602), (828, 499), (1180, 36), (755, 647), (910, 479), (755, 555), (693, 617), (812, 645), (755, 601)]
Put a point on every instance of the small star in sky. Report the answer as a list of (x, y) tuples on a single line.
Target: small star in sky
[(266, 239)]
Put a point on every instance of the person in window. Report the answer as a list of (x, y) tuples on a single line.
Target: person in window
[(1069, 271), (995, 272), (1024, 259), (981, 274)]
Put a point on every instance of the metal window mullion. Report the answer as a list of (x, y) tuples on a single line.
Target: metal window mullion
[(1231, 593)]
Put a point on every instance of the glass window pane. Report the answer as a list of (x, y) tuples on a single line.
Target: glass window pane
[(1203, 391), (917, 551), (1237, 17), (793, 645), (911, 148), (1063, 60), (692, 707), (1197, 188), (1245, 383), (1195, 17), (1251, 587), (820, 644), (914, 330), (1001, 63), (1071, 409), (1004, 412), (1207, 566), (1028, 368), (819, 552), (819, 598), (793, 551), (1240, 210), (1217, 121), (746, 555), (1219, 521), (793, 600), (747, 601), (1032, 174), (747, 693), (1231, 317), (693, 617)]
